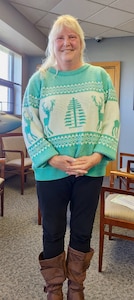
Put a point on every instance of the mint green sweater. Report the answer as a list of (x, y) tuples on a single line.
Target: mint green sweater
[(71, 113)]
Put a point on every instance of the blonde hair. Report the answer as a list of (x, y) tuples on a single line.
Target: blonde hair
[(69, 22)]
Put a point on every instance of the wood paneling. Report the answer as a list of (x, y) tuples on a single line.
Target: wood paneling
[(113, 68)]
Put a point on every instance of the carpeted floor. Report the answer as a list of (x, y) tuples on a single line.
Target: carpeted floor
[(21, 242)]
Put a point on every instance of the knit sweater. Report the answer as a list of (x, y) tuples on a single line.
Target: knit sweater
[(73, 113)]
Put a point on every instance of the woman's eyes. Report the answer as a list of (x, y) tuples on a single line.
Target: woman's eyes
[(71, 37), (60, 38)]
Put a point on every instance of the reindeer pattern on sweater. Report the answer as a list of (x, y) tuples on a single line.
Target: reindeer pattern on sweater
[(72, 113)]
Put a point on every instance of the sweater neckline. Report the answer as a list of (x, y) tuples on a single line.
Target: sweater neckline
[(68, 73)]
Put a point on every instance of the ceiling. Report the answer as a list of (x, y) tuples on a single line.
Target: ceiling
[(99, 18)]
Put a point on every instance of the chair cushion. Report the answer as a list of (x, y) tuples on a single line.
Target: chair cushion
[(118, 211)]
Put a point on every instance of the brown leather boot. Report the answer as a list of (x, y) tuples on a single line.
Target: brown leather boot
[(77, 264), (53, 271)]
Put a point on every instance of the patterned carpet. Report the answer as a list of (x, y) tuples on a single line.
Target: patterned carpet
[(21, 242)]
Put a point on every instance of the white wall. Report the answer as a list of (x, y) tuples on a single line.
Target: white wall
[(119, 49), (18, 33)]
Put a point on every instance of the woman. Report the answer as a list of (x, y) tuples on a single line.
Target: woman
[(69, 111)]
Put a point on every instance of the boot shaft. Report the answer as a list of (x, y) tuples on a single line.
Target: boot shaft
[(53, 271), (77, 264)]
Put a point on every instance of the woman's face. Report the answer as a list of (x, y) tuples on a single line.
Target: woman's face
[(67, 49)]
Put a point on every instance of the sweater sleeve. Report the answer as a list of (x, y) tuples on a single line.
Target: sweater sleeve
[(109, 136), (39, 148)]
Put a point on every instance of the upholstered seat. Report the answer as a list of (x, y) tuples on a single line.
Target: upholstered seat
[(118, 211)]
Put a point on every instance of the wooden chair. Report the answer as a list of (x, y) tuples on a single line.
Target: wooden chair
[(2, 180), (126, 165), (113, 213), (17, 159)]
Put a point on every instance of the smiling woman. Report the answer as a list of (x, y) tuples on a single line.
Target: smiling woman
[(69, 111)]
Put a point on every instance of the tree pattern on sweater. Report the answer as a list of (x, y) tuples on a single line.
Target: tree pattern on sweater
[(75, 116)]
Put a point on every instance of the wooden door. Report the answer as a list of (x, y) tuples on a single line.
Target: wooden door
[(113, 69)]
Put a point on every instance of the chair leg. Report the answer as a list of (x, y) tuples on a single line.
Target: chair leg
[(22, 184), (25, 177), (110, 232), (101, 246), (120, 182)]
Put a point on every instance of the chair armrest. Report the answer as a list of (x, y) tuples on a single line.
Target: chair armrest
[(116, 190), (122, 174), (2, 160), (16, 151)]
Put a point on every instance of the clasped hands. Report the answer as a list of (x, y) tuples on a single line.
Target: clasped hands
[(75, 166)]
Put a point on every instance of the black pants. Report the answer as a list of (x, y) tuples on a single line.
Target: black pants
[(82, 193)]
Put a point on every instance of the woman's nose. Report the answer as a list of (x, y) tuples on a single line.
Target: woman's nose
[(66, 41)]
